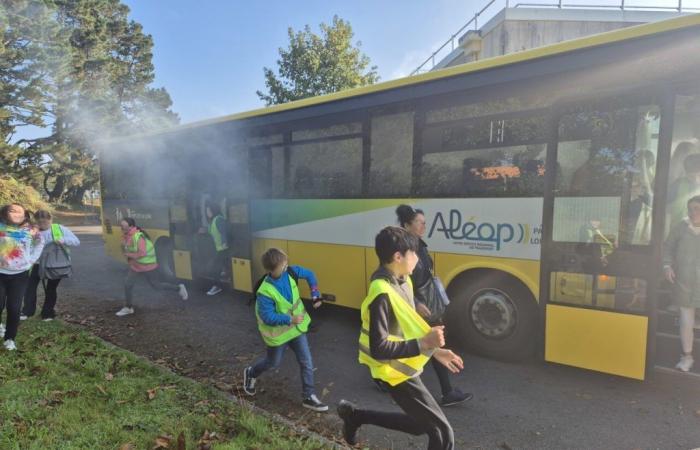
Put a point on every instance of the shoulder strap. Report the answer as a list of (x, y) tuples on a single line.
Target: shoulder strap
[(293, 274), (257, 285)]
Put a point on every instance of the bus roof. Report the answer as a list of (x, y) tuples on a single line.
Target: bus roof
[(610, 37)]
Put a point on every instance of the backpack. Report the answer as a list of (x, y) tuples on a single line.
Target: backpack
[(259, 283), (55, 262)]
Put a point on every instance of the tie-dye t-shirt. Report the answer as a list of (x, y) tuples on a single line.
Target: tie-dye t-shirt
[(19, 249)]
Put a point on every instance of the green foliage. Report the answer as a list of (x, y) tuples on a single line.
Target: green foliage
[(65, 389), (12, 191), (316, 65)]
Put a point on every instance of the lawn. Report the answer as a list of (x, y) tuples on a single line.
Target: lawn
[(66, 389)]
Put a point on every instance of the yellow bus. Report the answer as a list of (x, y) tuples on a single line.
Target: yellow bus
[(543, 175)]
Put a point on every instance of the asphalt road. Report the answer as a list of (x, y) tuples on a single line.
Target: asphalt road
[(529, 405)]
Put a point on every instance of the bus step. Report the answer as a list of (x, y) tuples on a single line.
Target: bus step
[(668, 351), (667, 322)]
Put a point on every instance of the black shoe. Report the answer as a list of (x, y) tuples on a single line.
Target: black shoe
[(346, 411), (455, 396), (248, 381), (380, 385), (314, 404)]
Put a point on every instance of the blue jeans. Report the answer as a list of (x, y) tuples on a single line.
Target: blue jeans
[(300, 347)]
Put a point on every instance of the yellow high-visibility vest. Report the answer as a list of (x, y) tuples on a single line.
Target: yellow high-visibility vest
[(274, 336)]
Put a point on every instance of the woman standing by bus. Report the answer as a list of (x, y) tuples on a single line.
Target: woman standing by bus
[(141, 256), (20, 247), (413, 220), (217, 231), (50, 232)]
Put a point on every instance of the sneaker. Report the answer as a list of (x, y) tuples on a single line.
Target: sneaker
[(314, 404), (454, 397), (214, 290), (125, 311), (346, 411), (685, 363), (23, 317), (248, 382), (183, 292), (10, 345), (48, 319)]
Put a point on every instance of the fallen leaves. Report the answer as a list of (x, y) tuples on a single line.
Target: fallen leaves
[(162, 441)]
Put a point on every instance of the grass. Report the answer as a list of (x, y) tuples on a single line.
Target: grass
[(66, 389)]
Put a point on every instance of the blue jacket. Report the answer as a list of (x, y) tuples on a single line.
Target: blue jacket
[(266, 306)]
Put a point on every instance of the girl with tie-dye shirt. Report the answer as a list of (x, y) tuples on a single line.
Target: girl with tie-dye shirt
[(20, 247)]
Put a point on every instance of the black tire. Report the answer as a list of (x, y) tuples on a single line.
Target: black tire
[(164, 254), (493, 314)]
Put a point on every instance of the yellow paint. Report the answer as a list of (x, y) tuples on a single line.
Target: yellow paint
[(450, 265), (156, 233), (113, 244), (178, 213), (596, 40), (340, 270), (183, 264), (242, 276), (604, 341)]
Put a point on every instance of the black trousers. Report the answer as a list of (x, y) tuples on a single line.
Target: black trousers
[(218, 266), (443, 374), (14, 287), (50, 298), (422, 415), (155, 278)]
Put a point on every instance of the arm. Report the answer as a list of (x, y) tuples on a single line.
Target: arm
[(69, 238), (671, 245), (221, 226), (380, 346), (268, 312), (140, 253), (310, 277)]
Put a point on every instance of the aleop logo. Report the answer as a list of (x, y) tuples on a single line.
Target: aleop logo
[(122, 213), (484, 235)]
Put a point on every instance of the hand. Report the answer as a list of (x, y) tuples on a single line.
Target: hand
[(670, 275), (434, 339), (449, 359), (422, 310), (296, 320)]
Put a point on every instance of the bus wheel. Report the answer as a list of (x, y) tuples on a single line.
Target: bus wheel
[(494, 315)]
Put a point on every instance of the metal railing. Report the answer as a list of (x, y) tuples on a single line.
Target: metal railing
[(474, 21)]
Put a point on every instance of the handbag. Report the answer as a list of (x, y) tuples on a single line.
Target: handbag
[(431, 295)]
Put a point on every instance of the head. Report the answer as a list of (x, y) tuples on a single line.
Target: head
[(275, 262), (694, 210), (43, 219), (411, 219), (691, 165), (396, 249), (14, 214), (127, 224), (212, 210)]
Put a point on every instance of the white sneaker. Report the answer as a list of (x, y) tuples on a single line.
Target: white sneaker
[(48, 319), (214, 290), (23, 317), (10, 345), (2, 330), (183, 292), (125, 311), (685, 363)]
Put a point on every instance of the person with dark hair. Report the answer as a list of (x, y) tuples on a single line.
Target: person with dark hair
[(283, 321), (395, 344), (217, 231), (141, 256), (60, 235), (684, 188), (20, 247), (422, 278), (682, 270)]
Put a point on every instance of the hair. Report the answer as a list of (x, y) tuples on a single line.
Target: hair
[(5, 214), (42, 214), (391, 240), (693, 199), (132, 223), (406, 214), (272, 258), (214, 208), (691, 163)]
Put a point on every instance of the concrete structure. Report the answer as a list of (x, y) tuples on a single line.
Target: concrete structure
[(521, 28)]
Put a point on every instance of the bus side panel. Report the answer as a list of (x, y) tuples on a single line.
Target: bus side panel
[(340, 270), (113, 244), (259, 247), (449, 265)]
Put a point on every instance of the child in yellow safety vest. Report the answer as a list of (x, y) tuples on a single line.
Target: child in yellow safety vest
[(141, 256), (395, 344), (283, 321), (218, 233)]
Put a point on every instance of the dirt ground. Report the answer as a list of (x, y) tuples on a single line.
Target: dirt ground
[(528, 405)]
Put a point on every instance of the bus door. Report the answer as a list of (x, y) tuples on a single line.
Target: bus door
[(599, 272)]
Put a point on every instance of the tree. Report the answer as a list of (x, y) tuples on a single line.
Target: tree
[(315, 65)]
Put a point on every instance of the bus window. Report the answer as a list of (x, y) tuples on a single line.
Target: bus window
[(391, 165), (684, 174), (606, 163), (325, 169)]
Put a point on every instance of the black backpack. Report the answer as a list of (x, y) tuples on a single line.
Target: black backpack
[(55, 262), (259, 283)]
